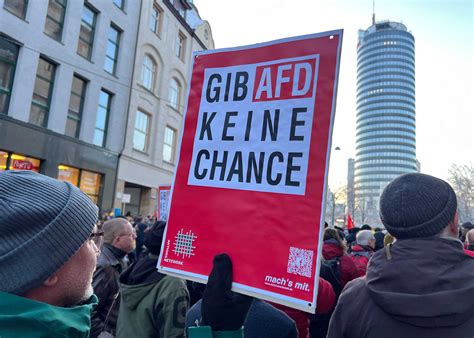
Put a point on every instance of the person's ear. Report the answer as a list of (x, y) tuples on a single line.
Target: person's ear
[(116, 241), (454, 226), (51, 281)]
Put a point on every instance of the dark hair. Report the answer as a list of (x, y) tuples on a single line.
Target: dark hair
[(334, 234), (366, 227), (468, 225), (154, 237)]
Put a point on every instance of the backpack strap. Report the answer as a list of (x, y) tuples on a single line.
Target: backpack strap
[(365, 254)]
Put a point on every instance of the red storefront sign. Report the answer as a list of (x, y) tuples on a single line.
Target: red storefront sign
[(22, 165), (252, 169)]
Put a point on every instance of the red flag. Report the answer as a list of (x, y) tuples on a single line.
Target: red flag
[(350, 223)]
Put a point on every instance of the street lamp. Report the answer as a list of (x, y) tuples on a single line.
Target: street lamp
[(333, 206), (348, 190)]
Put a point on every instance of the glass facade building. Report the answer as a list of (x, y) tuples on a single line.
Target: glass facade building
[(385, 122)]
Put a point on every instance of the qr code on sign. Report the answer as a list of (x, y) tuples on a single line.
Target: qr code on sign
[(300, 262)]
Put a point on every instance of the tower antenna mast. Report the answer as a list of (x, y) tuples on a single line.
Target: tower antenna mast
[(373, 12)]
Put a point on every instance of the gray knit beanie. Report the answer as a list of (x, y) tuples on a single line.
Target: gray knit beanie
[(417, 205), (43, 223)]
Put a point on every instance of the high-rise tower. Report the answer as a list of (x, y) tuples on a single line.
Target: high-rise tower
[(385, 123)]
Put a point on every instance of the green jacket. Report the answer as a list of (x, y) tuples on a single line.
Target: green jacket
[(206, 332), (25, 318), (151, 304)]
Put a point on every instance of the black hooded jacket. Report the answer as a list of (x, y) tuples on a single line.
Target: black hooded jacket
[(421, 288)]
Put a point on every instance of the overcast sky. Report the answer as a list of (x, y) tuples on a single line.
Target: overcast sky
[(444, 39)]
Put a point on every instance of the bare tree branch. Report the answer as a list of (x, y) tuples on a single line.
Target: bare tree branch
[(461, 177)]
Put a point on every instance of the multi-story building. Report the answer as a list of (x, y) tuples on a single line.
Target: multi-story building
[(64, 89), (385, 125), (168, 34), (95, 90)]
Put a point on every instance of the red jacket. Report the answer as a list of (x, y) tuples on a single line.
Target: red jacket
[(360, 256), (348, 269), (326, 301), (469, 252)]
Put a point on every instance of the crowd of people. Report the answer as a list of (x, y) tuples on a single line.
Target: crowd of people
[(63, 274)]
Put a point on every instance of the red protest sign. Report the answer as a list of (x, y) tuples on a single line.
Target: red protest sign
[(252, 167)]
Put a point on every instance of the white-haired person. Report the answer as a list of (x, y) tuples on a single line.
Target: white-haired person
[(363, 250)]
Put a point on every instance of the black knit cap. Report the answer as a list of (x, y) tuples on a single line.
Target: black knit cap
[(417, 205), (154, 237), (467, 225)]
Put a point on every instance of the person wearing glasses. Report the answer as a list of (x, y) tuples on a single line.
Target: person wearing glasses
[(119, 240), (48, 253)]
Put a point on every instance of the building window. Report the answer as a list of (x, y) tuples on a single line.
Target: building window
[(148, 72), (9, 161), (175, 94), (88, 181), (180, 45), (102, 119), (8, 57), (140, 134), (3, 160), (119, 3), (136, 192), (169, 144), (55, 19), (17, 7), (68, 174), (76, 105), (155, 19), (86, 36), (42, 93), (111, 54), (90, 185), (20, 162)]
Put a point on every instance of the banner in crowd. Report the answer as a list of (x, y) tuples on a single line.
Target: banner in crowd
[(252, 168), (163, 202)]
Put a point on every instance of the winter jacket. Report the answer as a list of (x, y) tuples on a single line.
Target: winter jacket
[(420, 287), (331, 250), (110, 265), (360, 256), (24, 318), (469, 252), (206, 332), (326, 301), (319, 322), (379, 237), (152, 304), (140, 229), (301, 318), (263, 321)]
